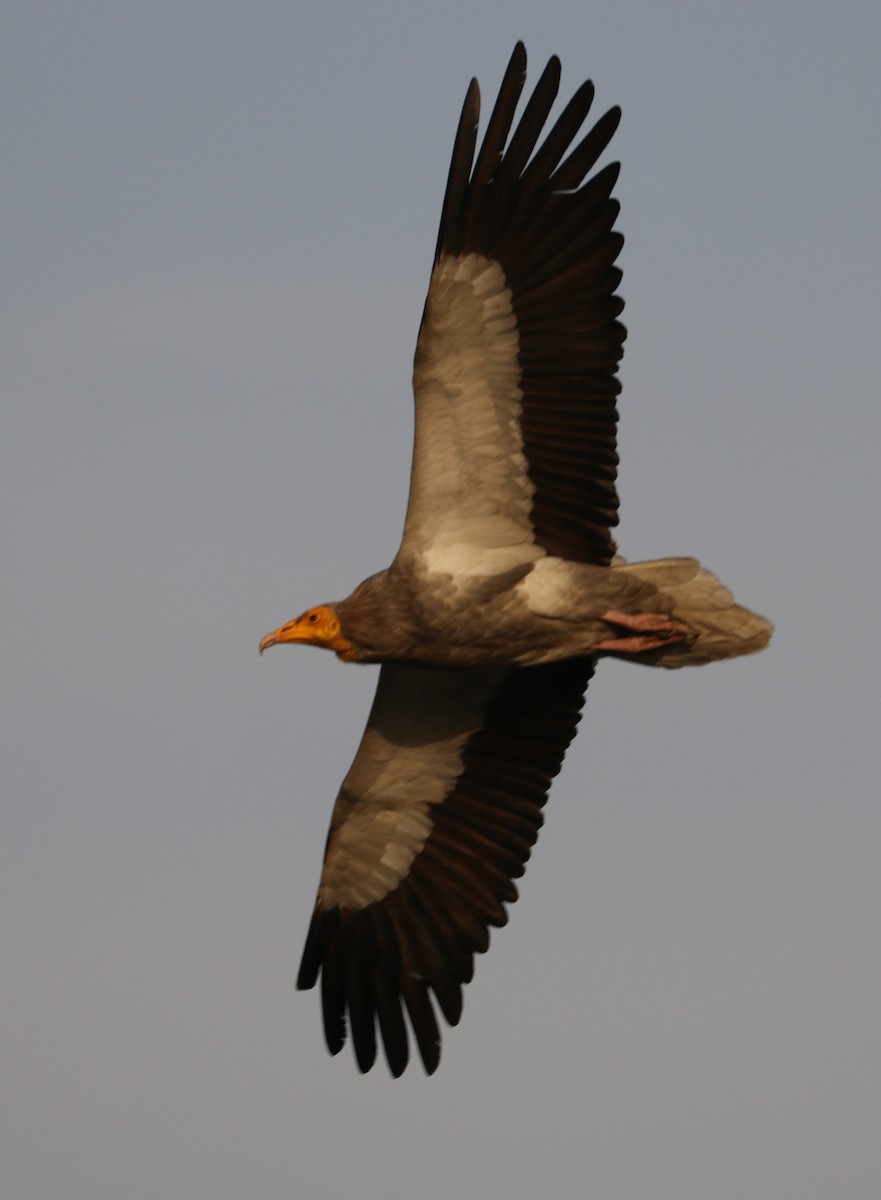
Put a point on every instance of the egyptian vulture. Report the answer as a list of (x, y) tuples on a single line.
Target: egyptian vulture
[(506, 588)]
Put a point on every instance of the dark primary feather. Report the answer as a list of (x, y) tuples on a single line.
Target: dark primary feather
[(553, 236), (418, 943)]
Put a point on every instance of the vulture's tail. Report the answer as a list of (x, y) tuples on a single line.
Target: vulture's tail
[(694, 595)]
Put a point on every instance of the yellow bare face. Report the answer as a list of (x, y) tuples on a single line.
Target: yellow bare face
[(316, 627)]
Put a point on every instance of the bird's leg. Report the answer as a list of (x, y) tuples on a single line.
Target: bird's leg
[(647, 631)]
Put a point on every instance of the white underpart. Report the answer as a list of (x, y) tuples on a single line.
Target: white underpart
[(409, 759), (470, 493), (552, 588)]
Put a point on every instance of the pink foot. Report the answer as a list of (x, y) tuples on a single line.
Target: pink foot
[(652, 631)]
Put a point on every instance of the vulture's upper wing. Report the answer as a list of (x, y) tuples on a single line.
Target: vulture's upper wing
[(434, 820), (519, 347)]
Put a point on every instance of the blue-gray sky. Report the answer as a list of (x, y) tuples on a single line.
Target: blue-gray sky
[(218, 222)]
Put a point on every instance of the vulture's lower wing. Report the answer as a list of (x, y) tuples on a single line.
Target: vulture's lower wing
[(434, 821)]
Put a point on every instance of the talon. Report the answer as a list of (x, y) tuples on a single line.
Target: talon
[(653, 631)]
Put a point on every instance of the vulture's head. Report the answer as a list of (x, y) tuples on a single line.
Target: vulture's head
[(318, 626)]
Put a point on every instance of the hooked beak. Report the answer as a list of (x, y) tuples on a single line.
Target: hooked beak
[(271, 639), (294, 631)]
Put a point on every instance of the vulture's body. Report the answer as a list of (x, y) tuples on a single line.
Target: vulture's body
[(506, 588)]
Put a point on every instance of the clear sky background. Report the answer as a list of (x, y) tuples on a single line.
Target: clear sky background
[(218, 221)]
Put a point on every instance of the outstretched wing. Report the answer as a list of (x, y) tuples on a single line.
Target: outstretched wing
[(515, 369), (433, 822)]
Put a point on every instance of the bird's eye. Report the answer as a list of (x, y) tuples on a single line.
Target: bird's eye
[(313, 618)]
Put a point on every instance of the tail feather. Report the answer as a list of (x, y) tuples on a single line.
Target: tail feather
[(692, 594)]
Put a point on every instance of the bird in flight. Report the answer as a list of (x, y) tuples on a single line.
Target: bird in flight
[(506, 588)]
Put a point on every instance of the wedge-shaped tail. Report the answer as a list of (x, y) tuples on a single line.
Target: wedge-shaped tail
[(693, 594)]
